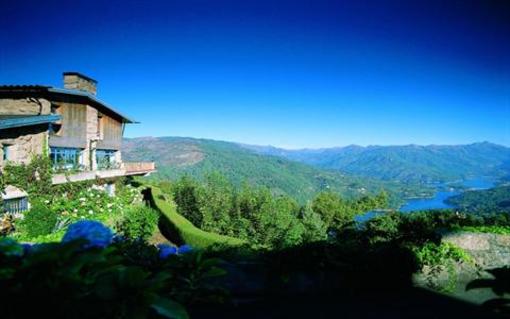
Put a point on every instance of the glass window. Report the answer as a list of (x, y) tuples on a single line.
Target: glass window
[(15, 205), (65, 158), (105, 159), (5, 150)]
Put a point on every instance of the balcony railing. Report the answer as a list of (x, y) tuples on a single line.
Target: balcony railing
[(117, 170)]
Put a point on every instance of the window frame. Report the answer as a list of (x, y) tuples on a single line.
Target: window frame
[(72, 157), (5, 152)]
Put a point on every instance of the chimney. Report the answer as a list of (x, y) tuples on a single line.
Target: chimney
[(80, 82)]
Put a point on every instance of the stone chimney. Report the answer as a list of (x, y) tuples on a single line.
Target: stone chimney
[(77, 81)]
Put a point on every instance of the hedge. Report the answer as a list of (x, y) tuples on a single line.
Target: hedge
[(180, 230)]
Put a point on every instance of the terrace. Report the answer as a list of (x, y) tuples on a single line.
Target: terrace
[(105, 172)]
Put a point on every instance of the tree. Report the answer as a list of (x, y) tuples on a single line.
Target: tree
[(332, 209), (314, 227), (215, 201), (185, 194)]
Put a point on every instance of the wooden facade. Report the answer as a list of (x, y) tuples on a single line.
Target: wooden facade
[(110, 133), (71, 130)]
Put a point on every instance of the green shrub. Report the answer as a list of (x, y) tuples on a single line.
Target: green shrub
[(34, 177), (432, 254), (500, 230), (62, 280), (183, 229), (383, 228), (138, 222), (39, 221), (440, 257)]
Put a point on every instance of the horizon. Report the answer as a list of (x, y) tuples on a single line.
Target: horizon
[(300, 74), (313, 149)]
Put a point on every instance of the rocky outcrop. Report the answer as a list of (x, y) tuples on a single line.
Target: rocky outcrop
[(488, 250)]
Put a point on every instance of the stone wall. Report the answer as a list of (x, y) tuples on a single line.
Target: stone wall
[(23, 142), (488, 250), (26, 106)]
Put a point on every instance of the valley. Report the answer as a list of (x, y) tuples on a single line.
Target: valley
[(416, 177)]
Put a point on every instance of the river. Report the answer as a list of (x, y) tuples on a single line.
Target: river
[(438, 201)]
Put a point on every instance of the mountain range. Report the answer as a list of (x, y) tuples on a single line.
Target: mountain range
[(407, 163), (406, 171), (176, 156)]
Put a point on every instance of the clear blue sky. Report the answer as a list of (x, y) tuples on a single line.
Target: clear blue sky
[(286, 73)]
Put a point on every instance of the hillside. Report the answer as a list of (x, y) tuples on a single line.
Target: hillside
[(486, 201), (175, 156), (409, 163)]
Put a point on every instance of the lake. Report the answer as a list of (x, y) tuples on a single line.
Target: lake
[(436, 202)]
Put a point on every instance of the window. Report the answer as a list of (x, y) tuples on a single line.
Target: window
[(15, 205), (6, 152), (105, 159), (65, 158)]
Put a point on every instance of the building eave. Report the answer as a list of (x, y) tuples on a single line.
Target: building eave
[(9, 123)]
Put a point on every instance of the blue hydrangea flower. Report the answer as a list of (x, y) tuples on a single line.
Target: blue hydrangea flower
[(97, 234), (166, 250), (184, 249)]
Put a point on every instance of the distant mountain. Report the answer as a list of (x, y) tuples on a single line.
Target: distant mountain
[(175, 156), (407, 164)]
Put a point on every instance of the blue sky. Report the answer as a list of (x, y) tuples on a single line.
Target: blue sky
[(286, 73)]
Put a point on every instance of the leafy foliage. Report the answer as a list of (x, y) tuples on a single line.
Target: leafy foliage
[(39, 221), (34, 177), (53, 212), (180, 230), (432, 254), (88, 275), (138, 222), (261, 218), (501, 230), (64, 281)]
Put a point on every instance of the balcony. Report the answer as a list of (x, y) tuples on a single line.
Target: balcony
[(139, 168), (104, 172)]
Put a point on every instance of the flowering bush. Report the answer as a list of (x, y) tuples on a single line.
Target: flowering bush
[(92, 203), (94, 232), (166, 250), (65, 281)]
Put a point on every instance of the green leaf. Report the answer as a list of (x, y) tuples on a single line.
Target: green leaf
[(169, 308)]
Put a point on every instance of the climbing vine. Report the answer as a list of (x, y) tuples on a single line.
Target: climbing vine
[(34, 177)]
